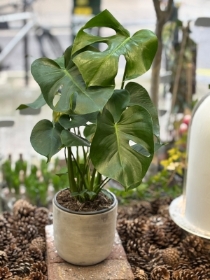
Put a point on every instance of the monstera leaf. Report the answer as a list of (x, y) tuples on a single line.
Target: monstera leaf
[(72, 140), (38, 103), (100, 68), (117, 103), (139, 96), (66, 83), (123, 150), (72, 121), (45, 138)]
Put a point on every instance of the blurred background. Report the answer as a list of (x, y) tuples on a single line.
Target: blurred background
[(30, 29)]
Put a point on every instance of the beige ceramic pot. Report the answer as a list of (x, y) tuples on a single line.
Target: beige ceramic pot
[(84, 238)]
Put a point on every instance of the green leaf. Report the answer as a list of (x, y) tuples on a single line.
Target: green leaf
[(70, 139), (62, 173), (139, 96), (111, 150), (45, 138), (89, 131), (117, 103), (71, 121), (158, 145), (67, 84), (100, 68), (38, 103), (140, 150), (84, 195)]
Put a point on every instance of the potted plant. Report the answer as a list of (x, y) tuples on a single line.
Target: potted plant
[(106, 133)]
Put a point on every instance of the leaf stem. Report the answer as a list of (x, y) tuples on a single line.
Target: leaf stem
[(79, 170), (105, 181), (123, 79), (72, 183), (92, 179)]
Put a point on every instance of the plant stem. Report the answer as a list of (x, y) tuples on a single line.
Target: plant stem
[(123, 79), (98, 178), (79, 170), (72, 183), (105, 181), (65, 156), (92, 179), (83, 149)]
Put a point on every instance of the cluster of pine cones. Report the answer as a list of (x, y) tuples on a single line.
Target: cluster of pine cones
[(157, 248), (22, 242)]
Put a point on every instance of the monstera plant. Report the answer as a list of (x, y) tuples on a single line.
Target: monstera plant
[(106, 133)]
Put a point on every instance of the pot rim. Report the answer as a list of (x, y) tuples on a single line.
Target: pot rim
[(82, 212)]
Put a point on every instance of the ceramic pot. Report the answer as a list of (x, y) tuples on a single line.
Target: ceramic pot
[(84, 238)]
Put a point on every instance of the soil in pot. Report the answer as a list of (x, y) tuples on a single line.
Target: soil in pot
[(65, 199)]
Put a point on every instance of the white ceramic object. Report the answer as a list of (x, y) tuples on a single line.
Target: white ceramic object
[(191, 210), (84, 238)]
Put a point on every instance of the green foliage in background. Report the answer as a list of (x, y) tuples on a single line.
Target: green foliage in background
[(36, 183)]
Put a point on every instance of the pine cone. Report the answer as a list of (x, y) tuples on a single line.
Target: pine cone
[(136, 228), (40, 243), (151, 251), (3, 258), (193, 245), (4, 224), (6, 238), (39, 266), (159, 202), (138, 245), (156, 235), (36, 276), (29, 232), (28, 220), (157, 220), (15, 277), (202, 273), (13, 253), (160, 273), (8, 217), (132, 246), (163, 210), (123, 213), (34, 252), (42, 218), (182, 265), (122, 229), (140, 274), (184, 274), (173, 232), (5, 273), (137, 261), (143, 208), (20, 269), (136, 210), (22, 242), (170, 256), (22, 208), (203, 261)]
